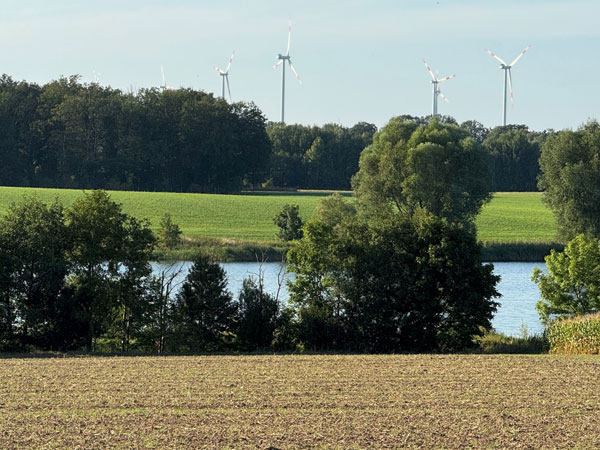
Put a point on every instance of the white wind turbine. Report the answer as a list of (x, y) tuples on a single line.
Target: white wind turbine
[(507, 78), (164, 80), (225, 77), (436, 80), (282, 59)]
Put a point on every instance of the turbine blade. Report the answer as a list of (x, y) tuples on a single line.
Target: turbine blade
[(429, 70), (512, 103), (441, 80), (444, 97), (287, 53), (228, 90), (278, 64), (162, 71), (229, 65), (496, 56), (520, 54), (294, 70)]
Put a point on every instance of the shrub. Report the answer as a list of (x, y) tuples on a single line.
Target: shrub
[(572, 286), (289, 222), (494, 342), (258, 315), (169, 234), (576, 336)]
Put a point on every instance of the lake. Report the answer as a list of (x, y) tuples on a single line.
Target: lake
[(517, 304)]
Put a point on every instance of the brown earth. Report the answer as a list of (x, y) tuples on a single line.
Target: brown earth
[(432, 401)]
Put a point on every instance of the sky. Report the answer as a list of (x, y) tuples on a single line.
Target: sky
[(358, 60)]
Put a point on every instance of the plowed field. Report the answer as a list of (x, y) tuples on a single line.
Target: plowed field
[(300, 402)]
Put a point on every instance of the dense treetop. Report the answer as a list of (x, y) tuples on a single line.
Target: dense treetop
[(570, 163), (72, 135), (436, 167)]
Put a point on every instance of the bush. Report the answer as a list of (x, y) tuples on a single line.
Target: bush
[(572, 286), (169, 234), (204, 311), (577, 336), (289, 222), (494, 342), (258, 315)]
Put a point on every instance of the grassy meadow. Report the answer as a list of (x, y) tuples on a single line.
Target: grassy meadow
[(300, 401), (508, 218)]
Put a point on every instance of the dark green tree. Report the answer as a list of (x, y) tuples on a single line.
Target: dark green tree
[(204, 309), (514, 152), (391, 285), (110, 254), (436, 167), (572, 285), (570, 164), (169, 234), (36, 242), (258, 315), (289, 222)]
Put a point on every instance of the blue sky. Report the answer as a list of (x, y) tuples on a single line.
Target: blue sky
[(358, 60)]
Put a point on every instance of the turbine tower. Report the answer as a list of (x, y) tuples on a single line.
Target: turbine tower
[(436, 80), (164, 86), (225, 78), (282, 59), (507, 78)]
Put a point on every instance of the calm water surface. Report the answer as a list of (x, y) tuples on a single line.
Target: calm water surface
[(516, 310)]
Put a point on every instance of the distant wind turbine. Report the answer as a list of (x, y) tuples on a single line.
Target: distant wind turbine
[(282, 59), (96, 77), (436, 80), (164, 80), (507, 78), (225, 77)]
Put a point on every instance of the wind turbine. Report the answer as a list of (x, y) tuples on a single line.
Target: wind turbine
[(436, 80), (507, 78), (225, 77), (282, 59), (96, 77), (164, 85)]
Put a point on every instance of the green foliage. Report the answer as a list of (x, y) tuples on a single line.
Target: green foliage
[(570, 164), (437, 167), (258, 316), (316, 157), (69, 134), (514, 152), (393, 285), (572, 285), (169, 234), (204, 309), (34, 241), (289, 222), (110, 253), (577, 336), (492, 343)]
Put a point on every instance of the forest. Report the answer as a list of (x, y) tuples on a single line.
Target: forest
[(68, 134)]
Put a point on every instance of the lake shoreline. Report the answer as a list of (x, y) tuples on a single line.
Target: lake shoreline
[(240, 251)]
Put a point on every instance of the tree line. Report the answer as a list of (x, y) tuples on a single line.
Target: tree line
[(399, 269), (72, 135), (80, 279)]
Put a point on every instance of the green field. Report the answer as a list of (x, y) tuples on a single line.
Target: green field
[(510, 217), (300, 401)]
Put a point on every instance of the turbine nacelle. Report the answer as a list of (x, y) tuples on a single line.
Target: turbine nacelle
[(436, 80), (507, 78), (281, 61), (225, 77)]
